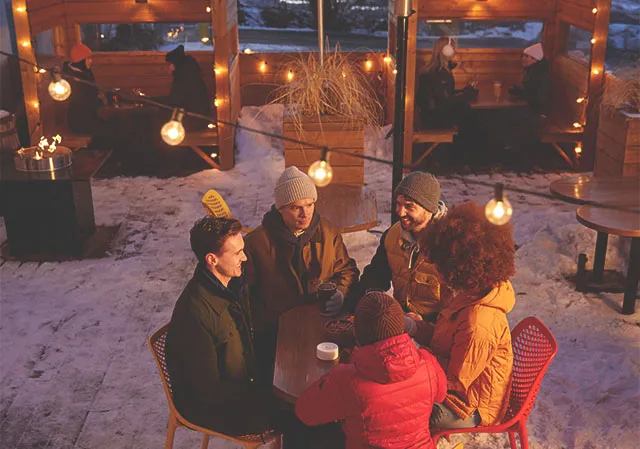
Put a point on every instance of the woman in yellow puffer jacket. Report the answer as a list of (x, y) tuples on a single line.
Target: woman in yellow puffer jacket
[(471, 337)]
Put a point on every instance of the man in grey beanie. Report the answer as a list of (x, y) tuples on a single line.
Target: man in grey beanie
[(415, 281), (289, 255)]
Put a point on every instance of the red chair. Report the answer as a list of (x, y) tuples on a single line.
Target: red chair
[(533, 349)]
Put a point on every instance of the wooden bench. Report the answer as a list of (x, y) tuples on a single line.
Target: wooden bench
[(554, 133), (202, 137), (433, 136)]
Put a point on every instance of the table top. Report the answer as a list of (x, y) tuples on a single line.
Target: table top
[(348, 208), (84, 164), (585, 189), (300, 330), (623, 223), (486, 99)]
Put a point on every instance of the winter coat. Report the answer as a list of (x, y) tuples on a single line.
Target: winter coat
[(439, 104), (472, 341), (284, 271), (536, 86), (84, 102), (416, 284), (209, 357), (188, 91), (384, 397)]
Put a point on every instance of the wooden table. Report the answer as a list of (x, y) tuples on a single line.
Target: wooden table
[(486, 99), (299, 332), (348, 208), (585, 189), (622, 223)]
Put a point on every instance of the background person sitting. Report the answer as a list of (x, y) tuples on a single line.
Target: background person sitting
[(384, 397), (471, 338), (439, 103), (536, 82)]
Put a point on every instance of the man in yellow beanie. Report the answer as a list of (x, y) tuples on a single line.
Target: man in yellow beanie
[(289, 255)]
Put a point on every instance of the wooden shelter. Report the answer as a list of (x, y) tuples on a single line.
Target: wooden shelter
[(572, 78), (132, 69)]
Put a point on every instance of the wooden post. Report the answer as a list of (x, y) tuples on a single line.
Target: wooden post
[(27, 72), (410, 88), (60, 41), (596, 84)]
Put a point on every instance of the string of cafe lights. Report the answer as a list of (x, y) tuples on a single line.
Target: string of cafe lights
[(498, 209)]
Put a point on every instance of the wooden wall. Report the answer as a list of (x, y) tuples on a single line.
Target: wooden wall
[(487, 10), (569, 81), (577, 13)]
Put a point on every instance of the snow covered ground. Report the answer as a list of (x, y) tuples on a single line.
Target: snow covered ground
[(75, 370)]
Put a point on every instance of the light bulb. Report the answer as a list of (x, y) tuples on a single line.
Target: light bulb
[(21, 9), (263, 66), (321, 173), (368, 64), (578, 149), (102, 36), (596, 71), (173, 132), (211, 126), (387, 59), (248, 51), (580, 100), (208, 9), (42, 70), (204, 40), (216, 102), (290, 75), (217, 71), (394, 71), (59, 89), (25, 43), (498, 211), (593, 40), (577, 125), (594, 10)]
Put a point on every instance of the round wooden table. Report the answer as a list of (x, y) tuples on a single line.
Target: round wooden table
[(622, 223), (299, 332), (585, 189)]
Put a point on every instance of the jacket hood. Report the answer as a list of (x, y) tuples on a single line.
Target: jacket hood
[(501, 297), (388, 361)]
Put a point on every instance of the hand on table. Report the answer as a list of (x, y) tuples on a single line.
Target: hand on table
[(410, 325), (334, 304)]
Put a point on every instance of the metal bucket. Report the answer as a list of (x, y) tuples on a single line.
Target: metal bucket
[(9, 141)]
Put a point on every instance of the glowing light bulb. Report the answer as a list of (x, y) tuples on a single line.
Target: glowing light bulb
[(208, 9), (580, 100), (173, 132), (216, 102), (217, 71), (387, 59), (204, 40), (578, 149), (214, 155), (394, 71), (368, 64), (35, 104), (263, 66), (498, 211), (290, 75), (344, 75), (25, 43), (248, 51), (21, 9), (42, 71), (211, 126), (577, 125), (594, 11), (595, 71), (593, 40), (59, 88), (321, 173), (101, 36)]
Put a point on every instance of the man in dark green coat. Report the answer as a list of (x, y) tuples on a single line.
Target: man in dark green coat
[(209, 349)]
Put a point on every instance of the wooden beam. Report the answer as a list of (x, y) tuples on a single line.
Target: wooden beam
[(596, 84), (410, 89), (27, 73)]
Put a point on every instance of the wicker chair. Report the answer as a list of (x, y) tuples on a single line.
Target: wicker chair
[(216, 206), (533, 349), (157, 344)]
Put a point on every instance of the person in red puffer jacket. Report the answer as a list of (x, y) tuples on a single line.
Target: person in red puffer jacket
[(385, 395)]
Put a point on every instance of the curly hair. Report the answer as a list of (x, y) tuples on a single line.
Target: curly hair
[(208, 235), (470, 252)]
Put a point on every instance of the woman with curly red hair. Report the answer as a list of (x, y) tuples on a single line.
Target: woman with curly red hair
[(471, 337)]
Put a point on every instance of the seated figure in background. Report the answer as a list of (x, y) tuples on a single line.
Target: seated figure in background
[(384, 397), (471, 337), (439, 103), (209, 349), (536, 82)]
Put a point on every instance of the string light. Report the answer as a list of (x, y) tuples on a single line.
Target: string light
[(498, 211), (208, 9), (394, 71), (263, 66), (320, 171), (42, 71), (593, 40), (35, 104), (35, 69), (595, 71), (578, 149), (173, 132), (216, 102), (216, 70), (577, 125), (25, 43), (580, 100), (387, 59), (211, 126), (368, 64), (594, 10), (59, 88), (248, 51), (21, 9), (214, 155), (101, 36), (290, 75), (204, 40)]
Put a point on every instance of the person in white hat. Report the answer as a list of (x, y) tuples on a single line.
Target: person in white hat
[(536, 82), (289, 255)]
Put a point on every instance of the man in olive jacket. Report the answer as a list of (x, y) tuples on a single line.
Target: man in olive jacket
[(289, 255), (209, 350)]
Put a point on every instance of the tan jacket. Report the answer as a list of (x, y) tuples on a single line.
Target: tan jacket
[(274, 285), (473, 342)]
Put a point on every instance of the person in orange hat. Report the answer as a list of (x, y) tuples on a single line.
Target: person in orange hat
[(85, 100)]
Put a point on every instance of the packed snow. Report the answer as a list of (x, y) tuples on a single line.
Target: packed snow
[(76, 371)]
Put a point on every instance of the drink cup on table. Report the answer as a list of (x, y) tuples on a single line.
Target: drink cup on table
[(325, 292), (497, 89)]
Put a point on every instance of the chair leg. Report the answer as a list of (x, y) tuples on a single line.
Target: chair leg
[(171, 432), (512, 440), (524, 441), (205, 441)]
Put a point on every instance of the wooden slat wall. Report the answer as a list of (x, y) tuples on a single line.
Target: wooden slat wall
[(256, 87), (128, 11), (569, 78), (489, 10), (145, 70), (45, 15), (618, 146), (577, 13)]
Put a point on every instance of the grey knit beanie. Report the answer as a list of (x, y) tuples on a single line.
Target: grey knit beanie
[(293, 185), (421, 187)]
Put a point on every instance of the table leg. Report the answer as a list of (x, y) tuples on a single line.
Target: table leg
[(633, 274), (598, 260)]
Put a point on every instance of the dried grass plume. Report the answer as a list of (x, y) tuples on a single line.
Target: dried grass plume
[(622, 90)]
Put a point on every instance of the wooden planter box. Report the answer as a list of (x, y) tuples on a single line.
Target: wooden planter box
[(333, 133), (618, 145)]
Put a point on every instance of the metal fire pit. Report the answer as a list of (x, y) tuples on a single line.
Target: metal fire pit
[(34, 159)]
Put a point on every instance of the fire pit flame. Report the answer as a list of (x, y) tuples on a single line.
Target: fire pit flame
[(48, 155), (44, 143)]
